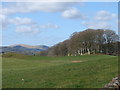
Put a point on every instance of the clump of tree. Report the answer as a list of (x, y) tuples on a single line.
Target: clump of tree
[(90, 41)]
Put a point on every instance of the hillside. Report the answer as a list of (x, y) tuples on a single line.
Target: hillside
[(92, 71), (89, 41), (23, 49)]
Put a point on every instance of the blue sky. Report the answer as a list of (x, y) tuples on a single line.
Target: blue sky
[(51, 23)]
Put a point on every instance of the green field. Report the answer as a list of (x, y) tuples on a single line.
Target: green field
[(94, 71)]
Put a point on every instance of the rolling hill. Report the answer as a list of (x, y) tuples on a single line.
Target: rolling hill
[(93, 71), (23, 49)]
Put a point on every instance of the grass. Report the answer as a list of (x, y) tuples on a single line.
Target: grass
[(59, 72)]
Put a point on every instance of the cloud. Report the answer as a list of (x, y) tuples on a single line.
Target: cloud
[(48, 26), (100, 20), (34, 28), (27, 29), (2, 17), (97, 25), (105, 15), (3, 21), (6, 21), (72, 13), (20, 21), (26, 7), (27, 25)]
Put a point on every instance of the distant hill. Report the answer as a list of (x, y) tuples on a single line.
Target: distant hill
[(15, 55), (23, 49)]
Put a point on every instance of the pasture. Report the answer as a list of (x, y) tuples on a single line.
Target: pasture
[(87, 71)]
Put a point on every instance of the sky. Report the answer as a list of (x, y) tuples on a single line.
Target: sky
[(48, 23)]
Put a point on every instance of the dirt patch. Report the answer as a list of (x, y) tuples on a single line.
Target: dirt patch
[(76, 61)]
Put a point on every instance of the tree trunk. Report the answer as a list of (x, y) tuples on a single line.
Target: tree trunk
[(81, 52), (88, 51)]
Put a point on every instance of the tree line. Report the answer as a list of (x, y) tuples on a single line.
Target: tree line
[(90, 41)]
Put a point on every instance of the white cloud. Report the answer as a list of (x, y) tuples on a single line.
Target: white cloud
[(72, 13), (28, 26), (20, 21), (25, 25), (3, 21), (2, 17), (97, 25), (27, 7), (48, 26), (27, 29), (34, 28), (105, 15)]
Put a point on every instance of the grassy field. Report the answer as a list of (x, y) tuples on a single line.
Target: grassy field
[(94, 71)]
